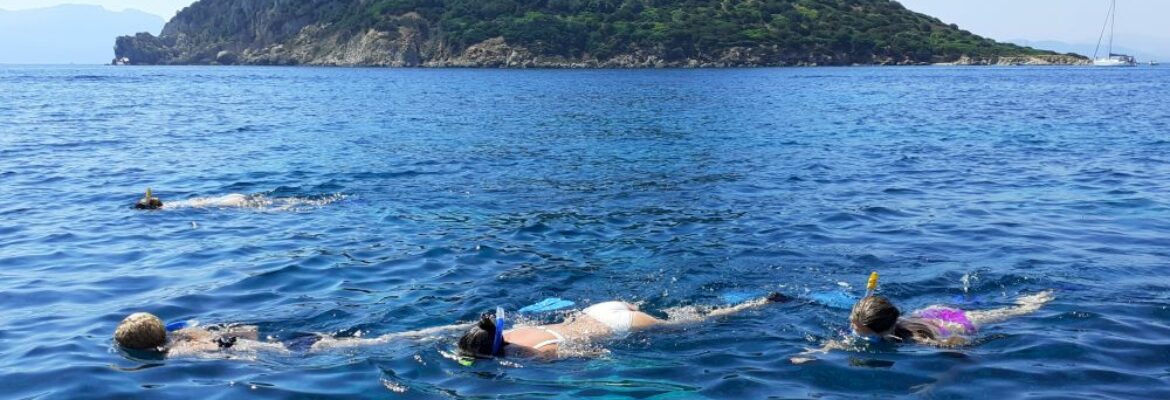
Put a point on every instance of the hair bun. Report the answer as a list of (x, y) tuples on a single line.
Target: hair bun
[(487, 323)]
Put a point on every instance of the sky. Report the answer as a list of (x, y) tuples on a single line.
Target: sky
[(1060, 20), (162, 8), (1141, 24)]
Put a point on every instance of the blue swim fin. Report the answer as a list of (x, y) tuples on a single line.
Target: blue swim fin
[(549, 304)]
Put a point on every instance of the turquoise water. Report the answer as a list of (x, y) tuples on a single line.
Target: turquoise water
[(405, 199)]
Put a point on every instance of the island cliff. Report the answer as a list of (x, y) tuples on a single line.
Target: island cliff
[(565, 34)]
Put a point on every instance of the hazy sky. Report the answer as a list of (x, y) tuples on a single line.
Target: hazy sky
[(1062, 20), (164, 8)]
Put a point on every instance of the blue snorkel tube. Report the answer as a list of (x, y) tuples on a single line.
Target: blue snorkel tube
[(501, 325)]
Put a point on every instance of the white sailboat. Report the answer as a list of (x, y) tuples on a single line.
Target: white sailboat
[(1113, 59)]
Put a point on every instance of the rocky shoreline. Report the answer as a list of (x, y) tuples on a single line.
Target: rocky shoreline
[(1022, 60), (409, 49)]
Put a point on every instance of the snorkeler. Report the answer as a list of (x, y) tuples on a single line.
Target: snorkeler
[(146, 332), (234, 200), (493, 336), (490, 337), (237, 200), (148, 202), (876, 319)]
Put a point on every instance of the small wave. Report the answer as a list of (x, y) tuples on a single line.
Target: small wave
[(96, 78), (884, 211), (900, 190), (257, 202)]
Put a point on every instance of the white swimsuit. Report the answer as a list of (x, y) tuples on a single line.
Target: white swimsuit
[(613, 314), (559, 338)]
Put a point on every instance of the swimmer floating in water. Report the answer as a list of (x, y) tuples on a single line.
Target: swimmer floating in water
[(877, 319), (146, 332), (237, 200), (493, 336), (148, 202)]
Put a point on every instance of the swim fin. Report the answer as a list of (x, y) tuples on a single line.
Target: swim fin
[(549, 304)]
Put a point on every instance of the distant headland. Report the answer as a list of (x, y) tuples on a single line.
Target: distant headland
[(566, 34)]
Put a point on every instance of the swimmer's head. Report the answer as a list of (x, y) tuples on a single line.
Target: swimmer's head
[(141, 331), (480, 340), (148, 202), (874, 315)]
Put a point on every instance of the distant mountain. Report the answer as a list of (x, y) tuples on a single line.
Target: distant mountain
[(67, 34), (566, 33)]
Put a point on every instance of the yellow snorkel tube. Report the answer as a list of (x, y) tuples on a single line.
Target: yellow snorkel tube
[(872, 285)]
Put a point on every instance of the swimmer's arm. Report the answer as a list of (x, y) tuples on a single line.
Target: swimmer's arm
[(687, 315), (329, 342), (952, 341), (810, 354), (427, 332), (1024, 305), (738, 308)]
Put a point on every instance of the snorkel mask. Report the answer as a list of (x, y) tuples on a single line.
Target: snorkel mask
[(497, 342)]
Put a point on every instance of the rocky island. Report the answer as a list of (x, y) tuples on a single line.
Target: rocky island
[(566, 34)]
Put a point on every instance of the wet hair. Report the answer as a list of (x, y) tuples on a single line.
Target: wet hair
[(876, 313), (879, 315), (912, 329), (478, 341), (141, 331)]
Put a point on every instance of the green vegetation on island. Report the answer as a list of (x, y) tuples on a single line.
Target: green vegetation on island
[(563, 33)]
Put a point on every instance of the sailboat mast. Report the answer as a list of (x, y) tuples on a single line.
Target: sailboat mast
[(1112, 25), (1105, 27)]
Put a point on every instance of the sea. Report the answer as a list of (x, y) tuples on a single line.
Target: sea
[(391, 200)]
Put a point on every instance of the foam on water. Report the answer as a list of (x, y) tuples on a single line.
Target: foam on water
[(259, 202)]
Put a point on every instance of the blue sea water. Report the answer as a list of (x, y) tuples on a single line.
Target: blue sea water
[(418, 198)]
